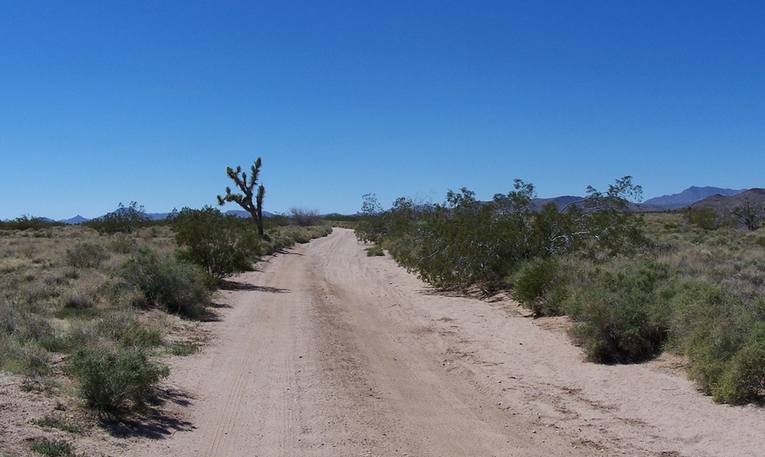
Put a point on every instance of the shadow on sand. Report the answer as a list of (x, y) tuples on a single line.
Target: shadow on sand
[(152, 423), (234, 285)]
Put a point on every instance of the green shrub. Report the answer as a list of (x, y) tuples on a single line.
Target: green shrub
[(178, 286), (114, 379), (539, 286), (375, 251), (621, 316), (704, 217), (761, 241), (52, 448), (222, 245), (744, 377), (125, 329), (723, 337), (123, 243), (86, 255)]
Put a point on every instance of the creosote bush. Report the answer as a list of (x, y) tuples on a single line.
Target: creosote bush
[(222, 245), (86, 255), (114, 379), (164, 281), (621, 315), (539, 286)]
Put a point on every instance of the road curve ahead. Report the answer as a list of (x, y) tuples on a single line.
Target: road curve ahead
[(328, 352)]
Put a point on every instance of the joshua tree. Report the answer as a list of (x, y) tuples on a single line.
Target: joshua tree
[(247, 185)]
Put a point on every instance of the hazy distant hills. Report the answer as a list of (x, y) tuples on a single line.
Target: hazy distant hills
[(688, 197), (724, 204)]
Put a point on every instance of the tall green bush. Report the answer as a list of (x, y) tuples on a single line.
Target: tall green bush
[(178, 286), (222, 245)]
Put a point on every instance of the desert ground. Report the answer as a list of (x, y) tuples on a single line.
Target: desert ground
[(324, 351)]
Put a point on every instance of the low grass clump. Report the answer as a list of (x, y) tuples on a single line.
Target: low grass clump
[(53, 448), (59, 423)]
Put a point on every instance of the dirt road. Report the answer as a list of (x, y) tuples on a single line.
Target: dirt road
[(326, 352)]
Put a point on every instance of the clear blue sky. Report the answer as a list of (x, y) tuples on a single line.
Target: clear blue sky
[(106, 101)]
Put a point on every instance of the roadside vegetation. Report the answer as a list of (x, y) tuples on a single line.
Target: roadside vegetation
[(633, 284), (89, 313)]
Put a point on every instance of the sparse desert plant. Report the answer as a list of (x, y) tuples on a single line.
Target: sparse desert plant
[(59, 423), (114, 379), (86, 255), (304, 217), (178, 286)]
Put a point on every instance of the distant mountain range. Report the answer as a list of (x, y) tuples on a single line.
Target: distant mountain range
[(680, 200), (717, 197), (688, 197), (724, 204), (156, 216)]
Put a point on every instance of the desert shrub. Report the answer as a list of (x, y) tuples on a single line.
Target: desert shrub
[(704, 217), (23, 325), (86, 255), (125, 329), (375, 251), (113, 379), (304, 217), (744, 377), (760, 241), (465, 242), (77, 299), (178, 286), (222, 245), (540, 286), (52, 448), (28, 223), (123, 243), (621, 314), (723, 337), (125, 219)]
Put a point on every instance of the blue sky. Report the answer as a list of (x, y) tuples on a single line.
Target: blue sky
[(105, 101)]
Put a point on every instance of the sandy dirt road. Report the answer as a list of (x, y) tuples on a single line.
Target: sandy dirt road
[(326, 352)]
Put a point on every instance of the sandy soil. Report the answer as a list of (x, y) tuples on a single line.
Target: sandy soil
[(327, 352)]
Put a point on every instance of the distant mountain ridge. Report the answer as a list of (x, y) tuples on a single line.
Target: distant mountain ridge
[(688, 197), (78, 219), (724, 204)]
